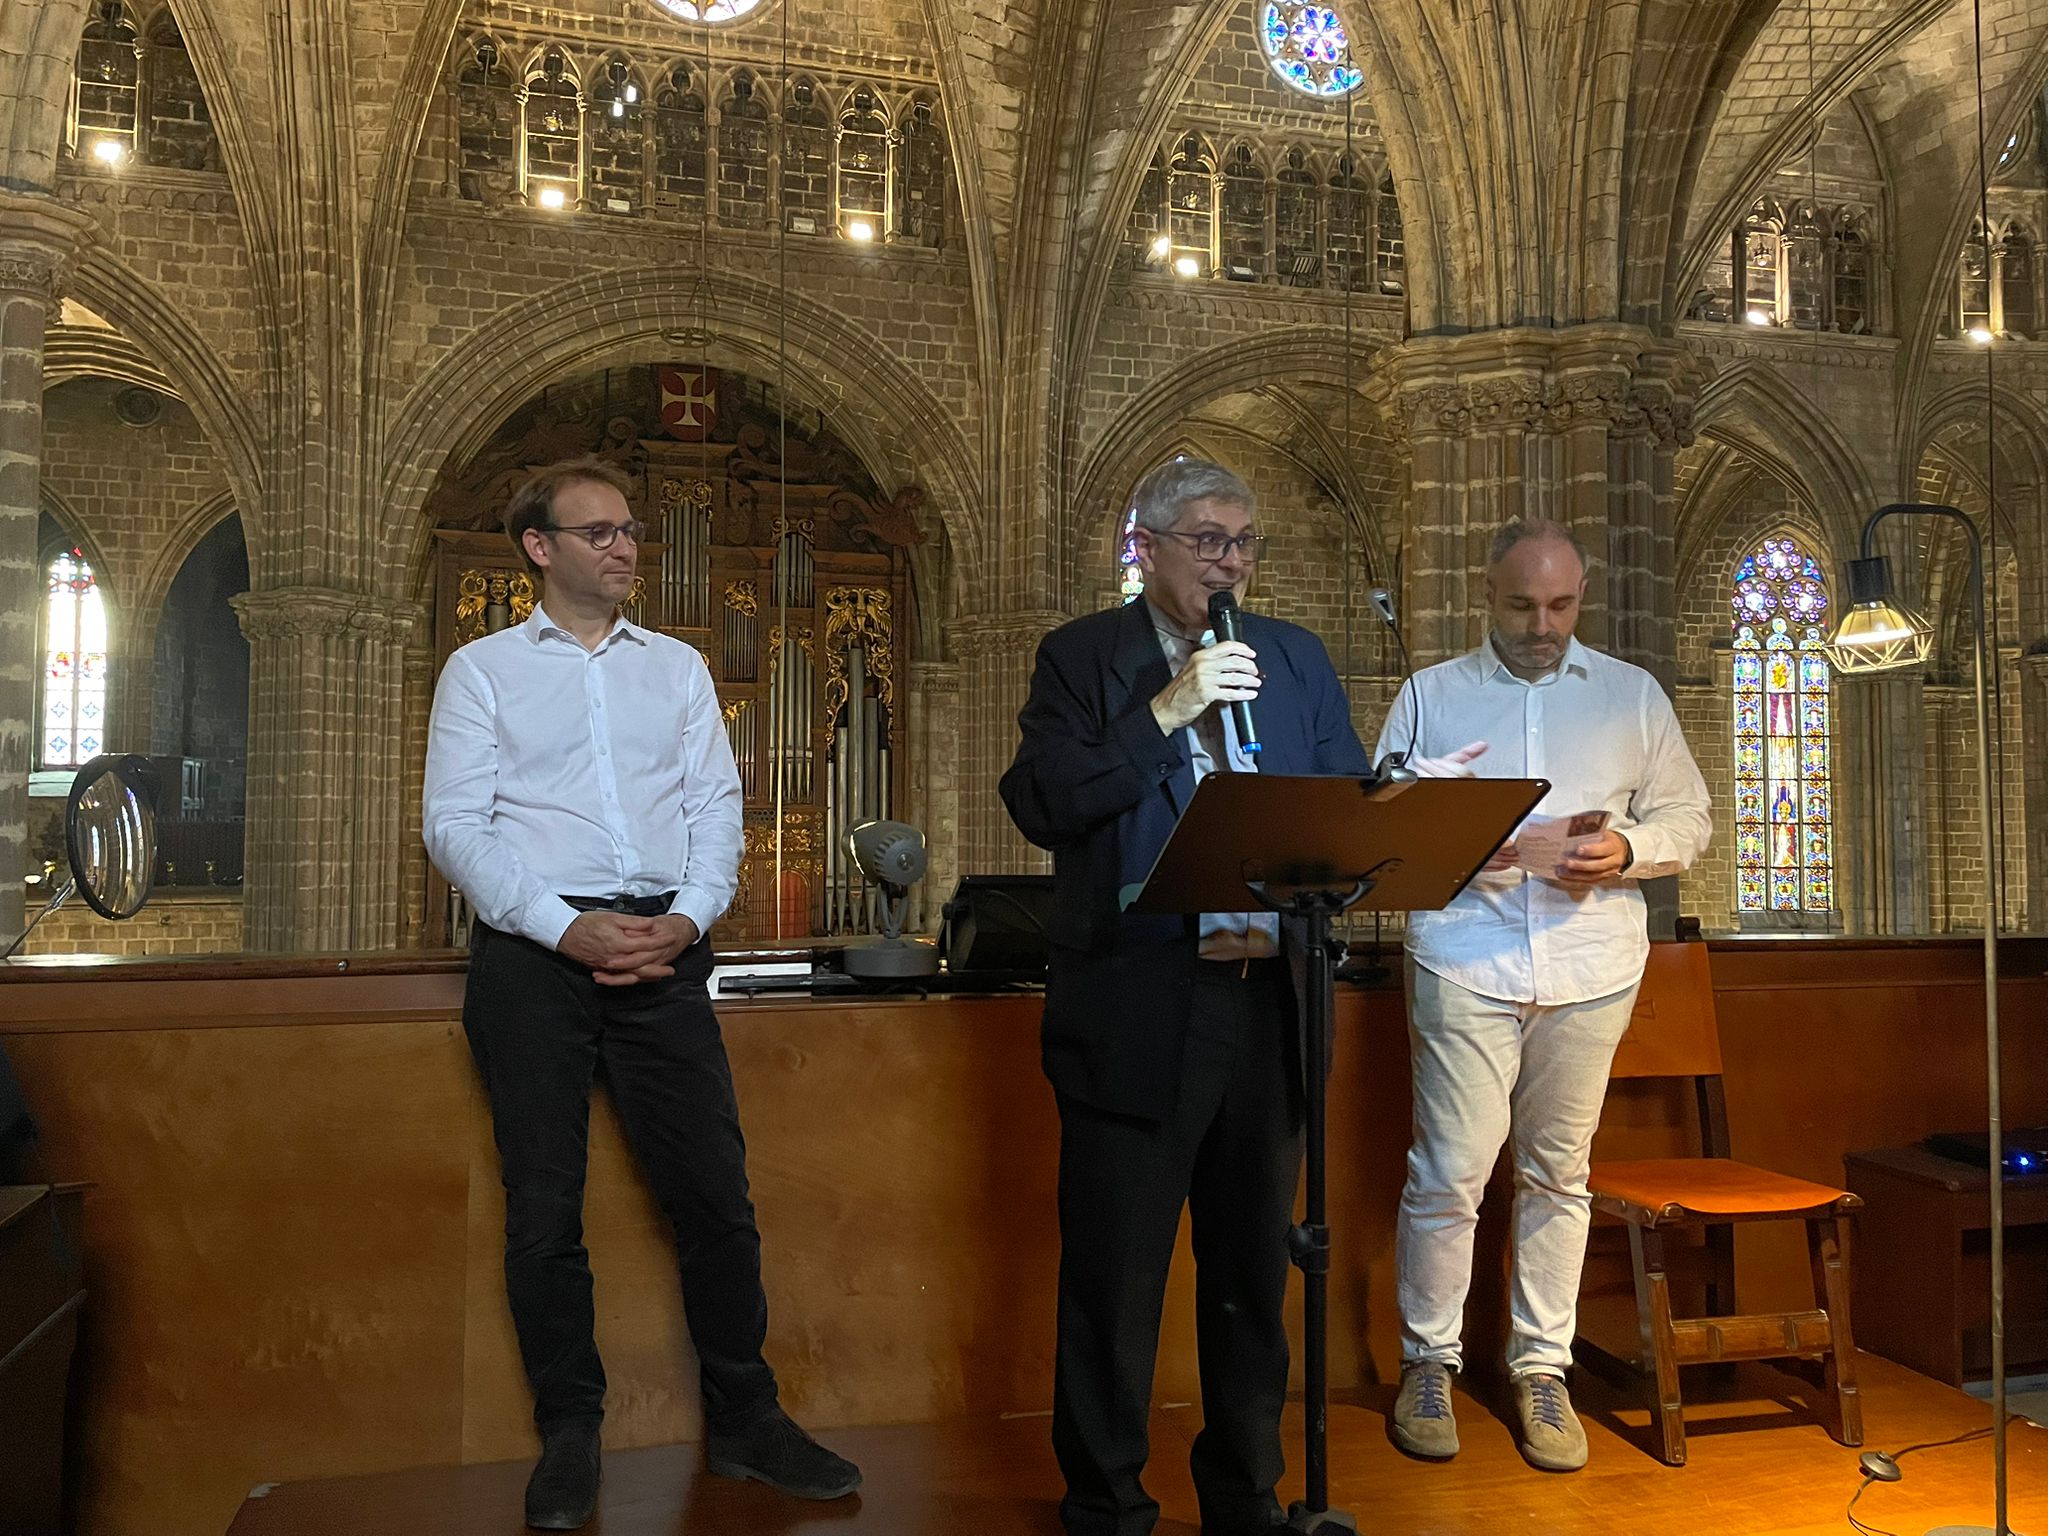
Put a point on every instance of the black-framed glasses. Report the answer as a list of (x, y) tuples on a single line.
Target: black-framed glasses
[(1211, 547), (601, 535)]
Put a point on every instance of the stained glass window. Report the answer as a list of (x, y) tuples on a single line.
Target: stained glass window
[(1132, 574), (708, 10), (1309, 48), (74, 665), (1784, 847)]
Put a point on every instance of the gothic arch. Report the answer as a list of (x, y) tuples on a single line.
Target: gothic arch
[(1752, 407), (890, 418), (188, 363), (1308, 354)]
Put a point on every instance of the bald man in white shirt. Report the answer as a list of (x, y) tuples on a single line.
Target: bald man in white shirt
[(581, 793), (1519, 991)]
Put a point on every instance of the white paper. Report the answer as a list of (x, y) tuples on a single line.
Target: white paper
[(1543, 842)]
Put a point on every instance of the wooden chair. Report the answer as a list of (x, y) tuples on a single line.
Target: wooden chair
[(1673, 1033)]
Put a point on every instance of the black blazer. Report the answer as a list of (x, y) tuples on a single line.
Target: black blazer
[(1097, 783)]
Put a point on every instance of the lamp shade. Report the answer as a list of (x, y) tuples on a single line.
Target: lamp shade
[(1877, 633)]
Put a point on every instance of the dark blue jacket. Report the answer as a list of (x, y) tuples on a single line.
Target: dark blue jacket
[(1097, 783)]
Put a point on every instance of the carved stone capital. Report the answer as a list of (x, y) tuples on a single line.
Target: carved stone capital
[(289, 613), (979, 637), (40, 241)]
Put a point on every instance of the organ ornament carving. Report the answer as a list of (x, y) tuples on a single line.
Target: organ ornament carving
[(858, 616), (488, 601)]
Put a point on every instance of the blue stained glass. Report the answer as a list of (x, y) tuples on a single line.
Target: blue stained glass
[(1783, 848), (1309, 47)]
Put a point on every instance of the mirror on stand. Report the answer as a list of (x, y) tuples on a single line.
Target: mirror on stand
[(110, 838)]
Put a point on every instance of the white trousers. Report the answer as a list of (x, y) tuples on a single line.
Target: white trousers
[(1486, 1071)]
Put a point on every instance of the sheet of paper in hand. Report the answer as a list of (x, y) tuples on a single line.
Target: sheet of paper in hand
[(1542, 842)]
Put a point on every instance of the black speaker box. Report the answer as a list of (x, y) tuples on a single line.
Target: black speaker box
[(998, 923)]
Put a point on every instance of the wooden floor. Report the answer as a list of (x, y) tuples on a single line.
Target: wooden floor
[(1759, 1467)]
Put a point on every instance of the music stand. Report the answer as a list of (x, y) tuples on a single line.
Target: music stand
[(1312, 847)]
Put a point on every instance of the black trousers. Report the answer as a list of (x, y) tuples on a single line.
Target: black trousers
[(540, 1028), (1231, 1152)]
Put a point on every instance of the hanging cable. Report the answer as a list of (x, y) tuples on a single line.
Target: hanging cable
[(1994, 681), (785, 753)]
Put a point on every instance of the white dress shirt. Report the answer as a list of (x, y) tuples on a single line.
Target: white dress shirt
[(1223, 935), (557, 771), (1604, 735)]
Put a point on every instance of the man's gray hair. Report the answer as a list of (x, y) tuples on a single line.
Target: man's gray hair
[(1522, 529), (1164, 493)]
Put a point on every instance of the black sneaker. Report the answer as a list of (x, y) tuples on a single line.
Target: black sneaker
[(775, 1450), (562, 1493)]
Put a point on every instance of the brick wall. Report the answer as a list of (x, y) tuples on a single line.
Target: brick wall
[(172, 924)]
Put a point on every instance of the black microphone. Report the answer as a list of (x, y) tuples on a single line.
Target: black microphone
[(1223, 618), (1394, 767)]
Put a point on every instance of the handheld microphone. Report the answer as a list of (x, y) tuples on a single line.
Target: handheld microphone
[(1393, 768), (1224, 617)]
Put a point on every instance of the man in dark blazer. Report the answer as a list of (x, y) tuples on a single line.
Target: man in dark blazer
[(1172, 1043)]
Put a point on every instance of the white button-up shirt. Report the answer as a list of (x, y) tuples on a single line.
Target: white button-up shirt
[(557, 771), (1605, 736)]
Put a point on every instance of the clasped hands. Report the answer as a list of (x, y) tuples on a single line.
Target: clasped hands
[(622, 950), (1593, 862)]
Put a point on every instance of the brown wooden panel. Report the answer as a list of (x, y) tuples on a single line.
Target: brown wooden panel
[(294, 1232), (1672, 1031)]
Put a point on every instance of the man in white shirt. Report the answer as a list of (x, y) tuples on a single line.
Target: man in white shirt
[(1520, 990), (581, 793)]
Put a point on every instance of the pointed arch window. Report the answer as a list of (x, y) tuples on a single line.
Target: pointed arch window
[(1297, 222), (107, 89), (1241, 222), (2016, 310), (1390, 246), (179, 132), (743, 155), (1784, 822), (554, 135), (681, 133), (921, 178), (615, 133), (863, 168), (1352, 234), (74, 714), (806, 162), (1130, 574), (1191, 207), (487, 127), (1145, 232)]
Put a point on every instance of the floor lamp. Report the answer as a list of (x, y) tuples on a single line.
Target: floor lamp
[(1879, 634)]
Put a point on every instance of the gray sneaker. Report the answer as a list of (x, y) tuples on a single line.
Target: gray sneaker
[(1423, 1425), (1552, 1437)]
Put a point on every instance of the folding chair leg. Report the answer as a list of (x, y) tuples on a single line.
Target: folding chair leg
[(1827, 1240), (1660, 1357), (1721, 1270)]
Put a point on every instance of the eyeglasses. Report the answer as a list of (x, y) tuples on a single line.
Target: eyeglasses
[(601, 535), (1212, 547)]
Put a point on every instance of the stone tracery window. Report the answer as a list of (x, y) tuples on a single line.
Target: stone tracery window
[(806, 162), (2016, 283), (552, 170), (1241, 223), (682, 132), (1191, 207), (179, 129), (1784, 853), (107, 89), (487, 127), (1390, 245), (1297, 222), (712, 11), (921, 177), (1309, 47), (743, 155), (615, 133), (1352, 235), (74, 713), (863, 167), (1809, 269)]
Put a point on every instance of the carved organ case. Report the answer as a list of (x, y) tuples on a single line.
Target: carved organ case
[(797, 592)]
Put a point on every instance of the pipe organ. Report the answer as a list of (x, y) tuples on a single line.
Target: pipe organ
[(771, 554)]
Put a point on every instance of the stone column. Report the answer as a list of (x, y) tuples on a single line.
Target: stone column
[(39, 240), (1578, 425), (419, 700), (326, 860), (996, 653), (2033, 710)]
